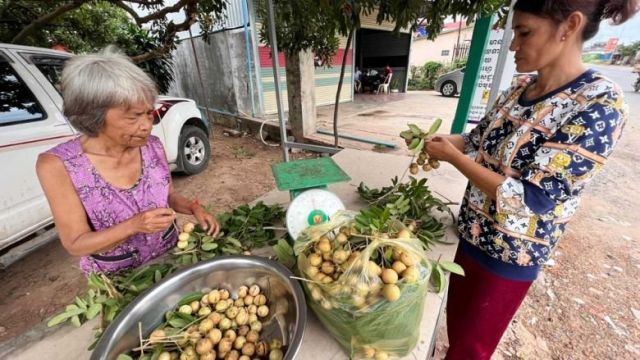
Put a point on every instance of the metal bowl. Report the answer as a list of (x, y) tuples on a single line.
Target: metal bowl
[(286, 321)]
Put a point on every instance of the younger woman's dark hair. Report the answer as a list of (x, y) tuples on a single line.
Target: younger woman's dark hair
[(595, 11)]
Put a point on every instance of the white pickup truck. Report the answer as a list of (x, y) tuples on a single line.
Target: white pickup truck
[(31, 122)]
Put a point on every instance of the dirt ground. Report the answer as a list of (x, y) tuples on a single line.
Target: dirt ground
[(42, 283)]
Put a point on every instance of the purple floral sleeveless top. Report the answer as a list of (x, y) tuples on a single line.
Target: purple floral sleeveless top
[(107, 205)]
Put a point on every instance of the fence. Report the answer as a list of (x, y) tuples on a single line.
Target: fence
[(460, 51)]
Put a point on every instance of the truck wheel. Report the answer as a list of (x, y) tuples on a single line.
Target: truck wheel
[(193, 149)]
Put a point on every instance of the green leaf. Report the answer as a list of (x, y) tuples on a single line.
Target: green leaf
[(157, 350), (110, 313), (437, 278), (93, 311), (207, 239), (234, 241), (177, 322), (435, 126), (111, 302), (183, 316), (388, 255), (194, 258), (452, 267), (57, 320), (184, 259), (189, 298), (157, 276), (124, 357), (414, 143), (207, 256), (209, 246), (230, 250), (418, 148), (96, 282), (75, 320), (81, 303), (284, 253), (62, 317), (415, 129), (407, 134)]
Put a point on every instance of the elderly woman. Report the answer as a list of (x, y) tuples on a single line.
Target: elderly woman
[(527, 163), (110, 189)]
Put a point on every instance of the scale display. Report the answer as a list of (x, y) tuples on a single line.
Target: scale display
[(311, 207)]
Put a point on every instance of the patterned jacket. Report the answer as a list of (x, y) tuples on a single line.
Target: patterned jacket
[(548, 149)]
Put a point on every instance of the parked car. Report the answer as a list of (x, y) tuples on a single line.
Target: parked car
[(449, 84), (31, 121)]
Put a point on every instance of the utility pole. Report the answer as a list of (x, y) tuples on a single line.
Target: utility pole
[(481, 31)]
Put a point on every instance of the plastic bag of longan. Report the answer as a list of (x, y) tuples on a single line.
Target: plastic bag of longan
[(368, 291)]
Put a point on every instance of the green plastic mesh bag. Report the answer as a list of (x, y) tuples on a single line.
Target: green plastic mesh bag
[(362, 312)]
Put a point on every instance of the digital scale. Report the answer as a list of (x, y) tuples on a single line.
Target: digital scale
[(306, 181)]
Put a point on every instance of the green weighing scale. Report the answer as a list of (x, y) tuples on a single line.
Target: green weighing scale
[(306, 181)]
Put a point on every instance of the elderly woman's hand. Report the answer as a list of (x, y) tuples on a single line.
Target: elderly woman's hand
[(153, 221), (440, 148), (207, 221)]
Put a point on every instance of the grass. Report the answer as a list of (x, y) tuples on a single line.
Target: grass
[(239, 152)]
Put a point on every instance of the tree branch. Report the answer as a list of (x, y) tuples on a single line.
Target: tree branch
[(128, 9), (153, 16), (158, 52), (44, 19), (169, 38), (146, 2), (169, 9)]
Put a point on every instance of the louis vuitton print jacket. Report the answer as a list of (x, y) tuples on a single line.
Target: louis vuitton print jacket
[(548, 149)]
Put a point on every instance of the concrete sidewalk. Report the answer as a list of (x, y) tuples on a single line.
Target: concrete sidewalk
[(383, 117)]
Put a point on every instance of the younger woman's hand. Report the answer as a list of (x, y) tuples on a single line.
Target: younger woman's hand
[(440, 148)]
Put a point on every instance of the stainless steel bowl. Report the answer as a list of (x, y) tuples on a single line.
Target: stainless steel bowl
[(287, 319)]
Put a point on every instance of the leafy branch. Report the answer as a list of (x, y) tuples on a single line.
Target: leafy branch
[(412, 203), (243, 229)]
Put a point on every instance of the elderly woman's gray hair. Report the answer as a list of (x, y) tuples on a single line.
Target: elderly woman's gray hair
[(92, 84)]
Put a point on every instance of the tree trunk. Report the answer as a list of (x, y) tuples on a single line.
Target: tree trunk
[(335, 109), (301, 94)]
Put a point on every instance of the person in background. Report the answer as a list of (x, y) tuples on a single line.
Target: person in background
[(636, 70), (357, 80), (528, 162), (110, 189), (387, 73)]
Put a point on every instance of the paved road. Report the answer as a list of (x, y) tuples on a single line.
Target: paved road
[(622, 75)]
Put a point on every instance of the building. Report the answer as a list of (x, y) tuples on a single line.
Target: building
[(236, 68), (451, 44)]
